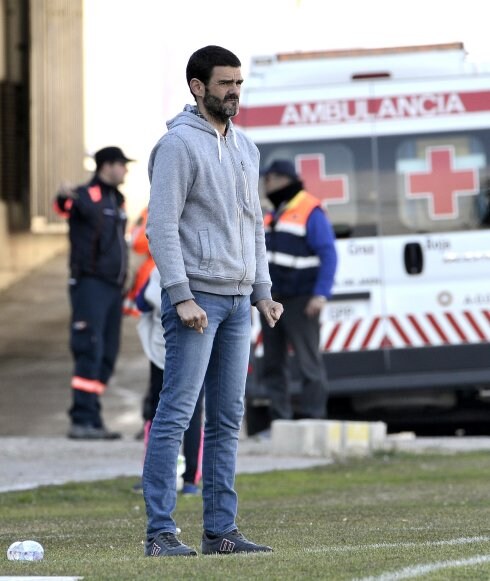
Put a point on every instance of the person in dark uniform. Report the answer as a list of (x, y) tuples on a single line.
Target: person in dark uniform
[(302, 262), (98, 266)]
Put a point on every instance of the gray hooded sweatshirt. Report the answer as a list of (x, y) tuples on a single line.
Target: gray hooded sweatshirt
[(205, 224)]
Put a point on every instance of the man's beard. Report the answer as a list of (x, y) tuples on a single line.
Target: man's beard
[(221, 110)]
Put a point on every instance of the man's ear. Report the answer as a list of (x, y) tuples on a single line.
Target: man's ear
[(197, 87)]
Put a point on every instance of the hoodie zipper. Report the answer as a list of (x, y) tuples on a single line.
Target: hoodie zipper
[(239, 210)]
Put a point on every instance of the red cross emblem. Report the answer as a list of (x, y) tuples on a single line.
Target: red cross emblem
[(441, 184), (332, 189)]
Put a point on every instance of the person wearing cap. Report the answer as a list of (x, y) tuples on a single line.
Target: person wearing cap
[(302, 261), (98, 265)]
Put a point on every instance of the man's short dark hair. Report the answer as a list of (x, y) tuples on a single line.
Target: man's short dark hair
[(202, 62)]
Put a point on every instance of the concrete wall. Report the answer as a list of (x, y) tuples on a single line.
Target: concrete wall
[(56, 134), (56, 89), (21, 252)]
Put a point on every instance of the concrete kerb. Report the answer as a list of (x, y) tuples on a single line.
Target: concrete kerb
[(327, 438), (29, 462), (333, 439)]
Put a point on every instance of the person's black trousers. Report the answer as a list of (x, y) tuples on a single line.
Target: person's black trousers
[(303, 334), (94, 342)]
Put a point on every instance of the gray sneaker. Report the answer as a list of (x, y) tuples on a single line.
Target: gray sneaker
[(82, 432), (167, 545), (232, 542)]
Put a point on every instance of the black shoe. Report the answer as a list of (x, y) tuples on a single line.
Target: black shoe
[(81, 432), (167, 545), (233, 542), (140, 435), (137, 488)]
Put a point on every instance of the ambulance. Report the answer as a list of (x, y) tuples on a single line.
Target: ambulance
[(395, 142)]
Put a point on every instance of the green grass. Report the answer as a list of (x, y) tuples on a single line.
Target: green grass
[(345, 521)]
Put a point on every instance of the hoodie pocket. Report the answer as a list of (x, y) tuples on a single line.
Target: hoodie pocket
[(205, 246)]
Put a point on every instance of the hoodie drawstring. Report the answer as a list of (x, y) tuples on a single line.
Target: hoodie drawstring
[(218, 136), (193, 109), (233, 132)]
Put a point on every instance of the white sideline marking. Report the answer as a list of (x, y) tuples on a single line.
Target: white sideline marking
[(30, 578), (418, 570), (449, 542)]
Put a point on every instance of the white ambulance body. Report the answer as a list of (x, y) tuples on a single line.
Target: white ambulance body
[(396, 143)]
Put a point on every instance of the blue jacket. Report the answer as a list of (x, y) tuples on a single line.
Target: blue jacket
[(97, 222), (300, 248)]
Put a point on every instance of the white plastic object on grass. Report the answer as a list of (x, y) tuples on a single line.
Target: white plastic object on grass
[(25, 551), (180, 471)]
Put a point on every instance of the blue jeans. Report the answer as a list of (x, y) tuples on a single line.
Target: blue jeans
[(219, 359)]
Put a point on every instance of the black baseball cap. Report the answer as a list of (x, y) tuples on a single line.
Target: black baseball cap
[(110, 155), (283, 167)]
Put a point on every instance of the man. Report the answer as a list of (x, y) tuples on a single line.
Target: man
[(206, 236), (98, 262), (302, 263)]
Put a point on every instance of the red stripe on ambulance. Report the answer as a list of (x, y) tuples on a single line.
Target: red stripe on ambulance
[(456, 327), (472, 322), (412, 330), (419, 329), (351, 334), (331, 337), (437, 327), (370, 333)]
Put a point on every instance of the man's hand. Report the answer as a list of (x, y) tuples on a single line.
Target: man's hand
[(192, 315), (271, 310), (67, 190), (315, 305)]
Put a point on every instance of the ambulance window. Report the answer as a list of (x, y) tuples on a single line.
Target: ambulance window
[(328, 171), (438, 182)]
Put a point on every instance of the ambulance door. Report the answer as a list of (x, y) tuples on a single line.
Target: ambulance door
[(435, 257)]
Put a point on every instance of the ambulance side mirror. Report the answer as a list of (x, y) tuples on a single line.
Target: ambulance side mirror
[(342, 230)]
